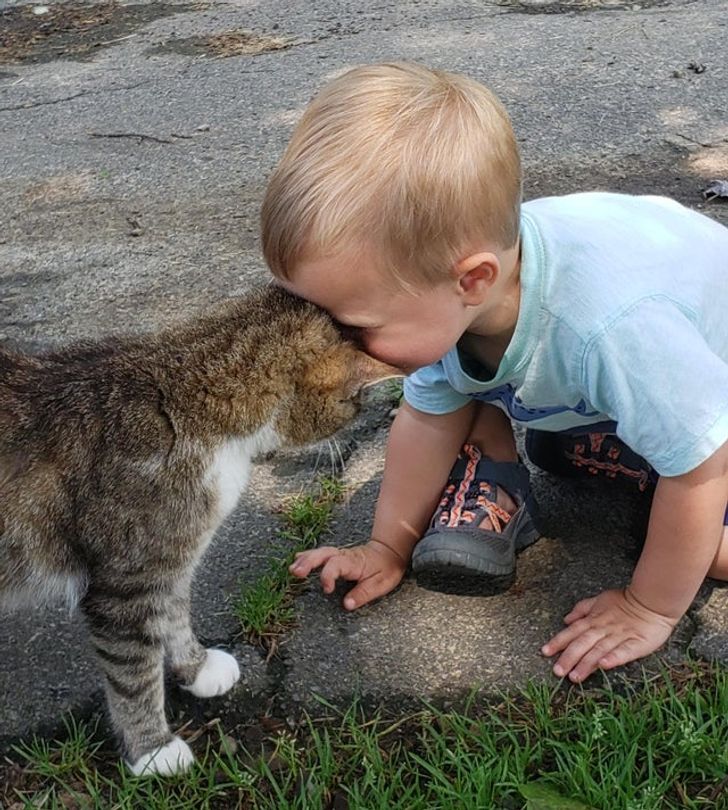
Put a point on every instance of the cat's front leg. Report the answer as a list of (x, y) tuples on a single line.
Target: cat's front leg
[(128, 641), (205, 673)]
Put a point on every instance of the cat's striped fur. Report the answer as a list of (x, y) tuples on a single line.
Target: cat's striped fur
[(119, 460)]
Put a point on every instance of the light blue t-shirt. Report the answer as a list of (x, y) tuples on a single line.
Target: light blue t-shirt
[(623, 319)]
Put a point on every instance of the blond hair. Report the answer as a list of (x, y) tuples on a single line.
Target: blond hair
[(418, 164)]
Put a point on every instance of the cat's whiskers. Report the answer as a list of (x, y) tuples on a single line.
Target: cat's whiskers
[(342, 460), (319, 453), (332, 460)]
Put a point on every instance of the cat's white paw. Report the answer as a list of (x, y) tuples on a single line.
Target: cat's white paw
[(219, 673), (174, 757)]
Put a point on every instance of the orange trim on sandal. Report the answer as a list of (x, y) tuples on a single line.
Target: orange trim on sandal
[(474, 456)]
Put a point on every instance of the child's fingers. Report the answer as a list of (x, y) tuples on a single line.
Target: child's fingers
[(339, 566), (582, 664), (307, 561), (580, 610), (579, 648), (367, 591), (562, 640), (625, 652), (329, 574)]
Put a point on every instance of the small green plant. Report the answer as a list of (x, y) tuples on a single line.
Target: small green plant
[(57, 759), (658, 744), (265, 609), (394, 389)]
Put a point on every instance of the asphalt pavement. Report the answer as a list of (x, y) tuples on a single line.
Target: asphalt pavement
[(134, 150)]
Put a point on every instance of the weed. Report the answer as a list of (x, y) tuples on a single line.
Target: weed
[(265, 609)]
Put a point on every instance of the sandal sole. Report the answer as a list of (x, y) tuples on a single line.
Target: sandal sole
[(463, 565)]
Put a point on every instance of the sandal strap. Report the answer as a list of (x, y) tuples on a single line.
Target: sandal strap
[(512, 476), (499, 518), (472, 490)]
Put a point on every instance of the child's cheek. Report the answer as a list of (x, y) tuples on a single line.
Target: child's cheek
[(378, 349)]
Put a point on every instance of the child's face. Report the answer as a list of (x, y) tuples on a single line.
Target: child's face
[(406, 329)]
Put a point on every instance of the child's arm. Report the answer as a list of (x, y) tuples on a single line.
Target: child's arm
[(420, 453), (685, 531)]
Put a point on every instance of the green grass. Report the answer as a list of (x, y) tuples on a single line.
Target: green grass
[(661, 744), (58, 760), (265, 609), (394, 389)]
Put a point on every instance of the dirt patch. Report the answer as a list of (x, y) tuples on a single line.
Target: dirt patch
[(228, 43), (72, 30), (60, 188)]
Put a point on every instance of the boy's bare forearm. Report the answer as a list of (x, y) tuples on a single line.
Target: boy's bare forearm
[(420, 453), (685, 530)]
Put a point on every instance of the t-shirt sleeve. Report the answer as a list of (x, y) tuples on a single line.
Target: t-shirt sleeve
[(654, 373), (428, 390)]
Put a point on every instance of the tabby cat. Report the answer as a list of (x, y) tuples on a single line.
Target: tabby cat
[(118, 461)]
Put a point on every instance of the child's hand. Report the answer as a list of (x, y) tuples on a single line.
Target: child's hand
[(374, 566), (606, 631)]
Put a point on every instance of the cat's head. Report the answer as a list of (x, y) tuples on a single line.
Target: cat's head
[(330, 373)]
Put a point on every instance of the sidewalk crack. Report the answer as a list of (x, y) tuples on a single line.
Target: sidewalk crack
[(32, 105)]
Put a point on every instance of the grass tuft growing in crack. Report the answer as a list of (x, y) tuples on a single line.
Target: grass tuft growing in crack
[(265, 609)]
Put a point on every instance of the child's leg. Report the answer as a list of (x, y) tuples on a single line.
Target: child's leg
[(719, 568), (492, 433)]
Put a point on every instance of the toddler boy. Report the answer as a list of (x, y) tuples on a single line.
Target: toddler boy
[(397, 208)]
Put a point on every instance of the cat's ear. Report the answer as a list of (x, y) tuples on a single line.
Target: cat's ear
[(365, 371)]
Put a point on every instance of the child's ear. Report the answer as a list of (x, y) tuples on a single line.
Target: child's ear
[(475, 275)]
